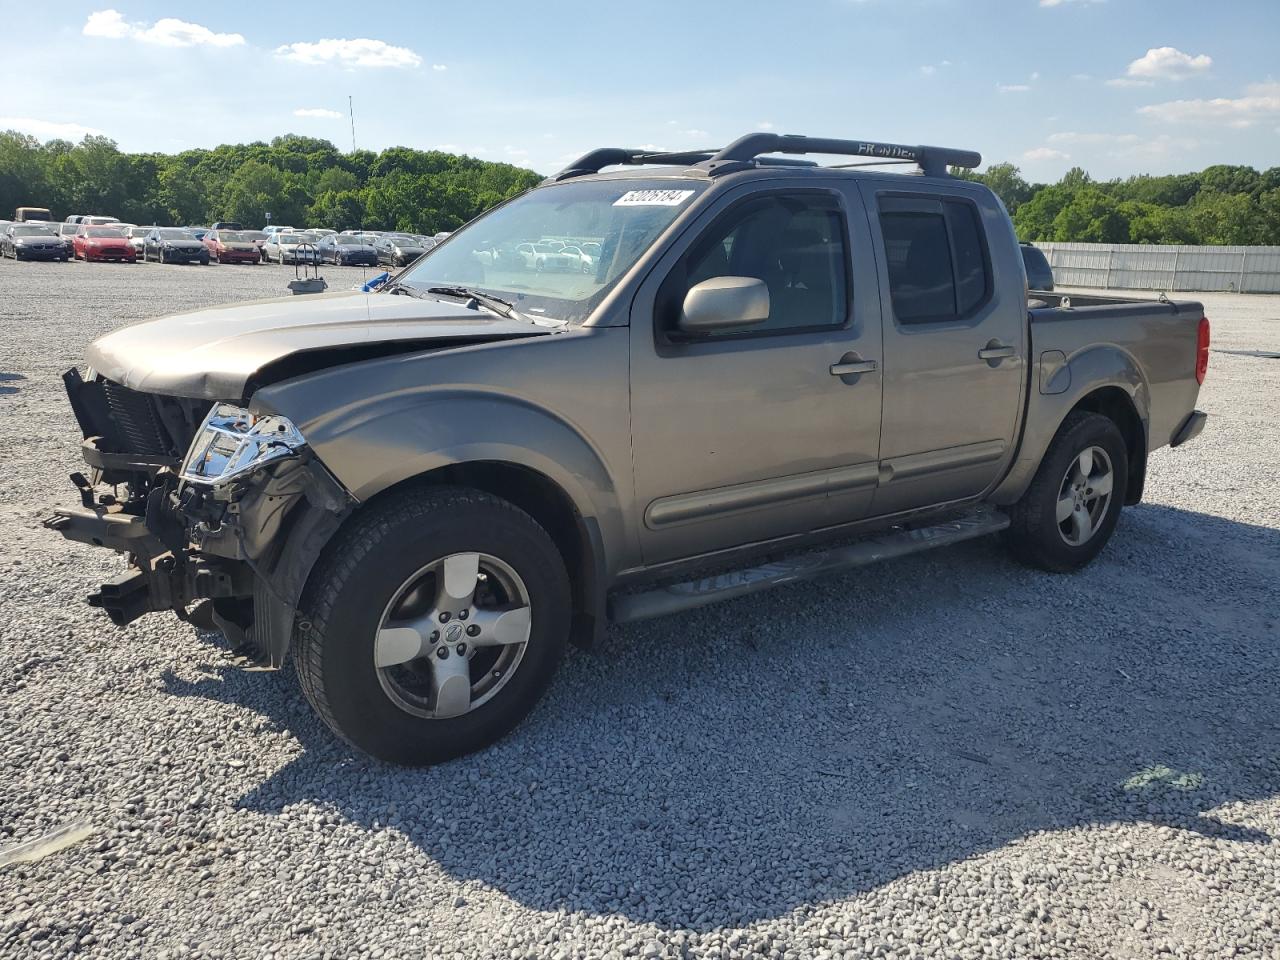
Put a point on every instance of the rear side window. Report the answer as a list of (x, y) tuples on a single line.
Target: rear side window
[(936, 258), (795, 243)]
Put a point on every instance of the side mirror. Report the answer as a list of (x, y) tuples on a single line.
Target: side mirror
[(724, 303)]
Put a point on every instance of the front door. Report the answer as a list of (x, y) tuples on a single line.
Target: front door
[(748, 435), (954, 344)]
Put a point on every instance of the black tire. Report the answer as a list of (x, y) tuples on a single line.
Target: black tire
[(1035, 536), (359, 573)]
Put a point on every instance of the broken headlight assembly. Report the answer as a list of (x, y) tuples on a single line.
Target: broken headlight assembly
[(233, 442)]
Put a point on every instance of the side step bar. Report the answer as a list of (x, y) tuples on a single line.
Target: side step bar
[(897, 542)]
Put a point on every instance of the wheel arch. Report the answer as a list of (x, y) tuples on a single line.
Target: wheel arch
[(1118, 406), (1102, 379), (577, 537)]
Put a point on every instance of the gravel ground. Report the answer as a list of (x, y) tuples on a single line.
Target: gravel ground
[(948, 755)]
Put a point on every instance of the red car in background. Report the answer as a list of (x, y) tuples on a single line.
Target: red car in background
[(232, 246), (102, 243)]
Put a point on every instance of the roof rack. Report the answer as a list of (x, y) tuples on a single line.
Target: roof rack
[(746, 152)]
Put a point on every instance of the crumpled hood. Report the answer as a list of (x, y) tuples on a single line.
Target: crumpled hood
[(212, 354)]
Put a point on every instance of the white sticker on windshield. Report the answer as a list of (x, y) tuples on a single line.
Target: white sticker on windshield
[(653, 198)]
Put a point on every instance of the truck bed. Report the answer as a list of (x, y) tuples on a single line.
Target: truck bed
[(1157, 335)]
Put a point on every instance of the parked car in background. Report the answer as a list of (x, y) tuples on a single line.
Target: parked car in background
[(32, 240), (226, 225), (198, 231), (24, 214), (102, 243), (138, 237), (396, 250), (442, 235), (73, 218), (321, 231), (277, 228), (67, 231), (231, 246), (98, 220), (347, 251), (259, 239), (291, 248), (173, 245), (1039, 273)]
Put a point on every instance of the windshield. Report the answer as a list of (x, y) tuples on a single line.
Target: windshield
[(531, 251), (104, 233), (139, 231), (31, 231), (175, 234), (254, 235), (230, 236), (349, 241)]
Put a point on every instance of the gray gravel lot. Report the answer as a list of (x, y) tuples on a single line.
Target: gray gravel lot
[(948, 755)]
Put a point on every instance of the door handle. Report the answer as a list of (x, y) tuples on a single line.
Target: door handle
[(995, 350), (851, 365)]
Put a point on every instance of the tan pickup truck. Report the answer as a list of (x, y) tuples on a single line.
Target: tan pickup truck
[(746, 370)]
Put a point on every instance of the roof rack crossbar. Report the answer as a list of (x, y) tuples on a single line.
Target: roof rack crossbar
[(747, 151), (933, 161)]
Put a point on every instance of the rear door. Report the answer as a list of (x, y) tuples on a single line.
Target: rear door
[(746, 436), (954, 343)]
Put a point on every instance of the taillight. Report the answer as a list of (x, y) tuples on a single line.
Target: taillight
[(1202, 350)]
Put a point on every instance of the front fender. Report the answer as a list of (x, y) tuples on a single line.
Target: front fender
[(557, 405), (1056, 389)]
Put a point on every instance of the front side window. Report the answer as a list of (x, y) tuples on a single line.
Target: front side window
[(794, 243), (518, 250)]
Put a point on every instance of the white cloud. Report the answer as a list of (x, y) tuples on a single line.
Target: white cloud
[(1070, 136), (1124, 144), (439, 67), (695, 132), (1012, 87), (1035, 76), (362, 52), (1129, 82), (1261, 102), (1168, 63), (1039, 154), (928, 70), (764, 125), (106, 23), (166, 32), (48, 129), (318, 112)]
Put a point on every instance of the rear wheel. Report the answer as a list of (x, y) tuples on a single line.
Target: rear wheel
[(1071, 508), (434, 623)]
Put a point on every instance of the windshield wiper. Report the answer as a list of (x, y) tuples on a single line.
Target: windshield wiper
[(397, 286), (499, 306)]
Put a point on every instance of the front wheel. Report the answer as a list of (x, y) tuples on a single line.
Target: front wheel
[(1070, 510), (433, 624)]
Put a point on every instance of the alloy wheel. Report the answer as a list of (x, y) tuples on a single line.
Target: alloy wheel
[(453, 635), (1084, 496)]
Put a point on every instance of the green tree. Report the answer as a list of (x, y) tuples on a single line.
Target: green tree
[(1091, 217), (1006, 182)]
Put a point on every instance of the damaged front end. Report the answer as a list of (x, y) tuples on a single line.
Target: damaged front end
[(221, 513)]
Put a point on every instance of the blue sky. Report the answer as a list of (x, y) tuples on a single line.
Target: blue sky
[(1115, 86)]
